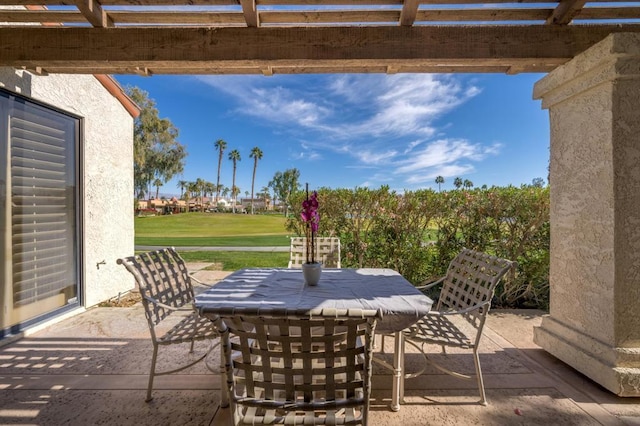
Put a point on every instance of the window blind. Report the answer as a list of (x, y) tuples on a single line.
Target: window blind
[(43, 206)]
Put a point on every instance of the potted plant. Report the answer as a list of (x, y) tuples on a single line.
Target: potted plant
[(311, 269)]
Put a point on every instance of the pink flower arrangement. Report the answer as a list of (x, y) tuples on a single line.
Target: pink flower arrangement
[(311, 218)]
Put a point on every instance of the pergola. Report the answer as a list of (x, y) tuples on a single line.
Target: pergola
[(591, 51), (303, 36)]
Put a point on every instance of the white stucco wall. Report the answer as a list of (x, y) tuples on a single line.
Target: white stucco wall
[(107, 188)]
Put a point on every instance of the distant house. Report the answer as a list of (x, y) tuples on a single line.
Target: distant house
[(66, 185), (258, 203)]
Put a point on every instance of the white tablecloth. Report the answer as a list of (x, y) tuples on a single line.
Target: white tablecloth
[(282, 292)]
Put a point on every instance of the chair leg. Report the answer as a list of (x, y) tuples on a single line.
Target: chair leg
[(476, 361), (224, 392), (152, 373)]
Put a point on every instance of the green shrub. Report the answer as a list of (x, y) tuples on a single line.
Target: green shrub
[(418, 233)]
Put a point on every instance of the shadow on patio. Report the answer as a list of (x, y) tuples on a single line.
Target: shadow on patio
[(92, 369)]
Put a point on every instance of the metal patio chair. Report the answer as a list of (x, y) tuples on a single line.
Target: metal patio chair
[(459, 317), (166, 289), (279, 371), (327, 252)]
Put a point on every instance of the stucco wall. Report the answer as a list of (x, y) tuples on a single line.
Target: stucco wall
[(107, 188), (594, 321)]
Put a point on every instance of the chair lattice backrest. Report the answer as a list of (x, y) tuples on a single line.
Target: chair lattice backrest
[(327, 252), (163, 276), (471, 280), (284, 370)]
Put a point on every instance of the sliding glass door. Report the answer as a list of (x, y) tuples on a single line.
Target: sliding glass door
[(39, 196)]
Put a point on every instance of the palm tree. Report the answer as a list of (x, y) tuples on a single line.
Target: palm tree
[(209, 189), (235, 157), (457, 182), (467, 184), (182, 184), (266, 195), (235, 190), (192, 191), (220, 145), (225, 191), (439, 181), (157, 183), (200, 186), (256, 154)]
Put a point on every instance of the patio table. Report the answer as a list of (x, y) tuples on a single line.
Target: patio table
[(340, 292)]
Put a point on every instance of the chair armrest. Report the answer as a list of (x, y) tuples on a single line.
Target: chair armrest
[(171, 308), (200, 282), (462, 311), (431, 284)]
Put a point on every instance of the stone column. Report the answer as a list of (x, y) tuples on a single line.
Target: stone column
[(594, 110)]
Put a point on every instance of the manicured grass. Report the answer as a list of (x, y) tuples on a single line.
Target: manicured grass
[(234, 260), (211, 229), (240, 241)]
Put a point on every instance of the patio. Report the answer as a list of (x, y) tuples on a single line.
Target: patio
[(92, 369)]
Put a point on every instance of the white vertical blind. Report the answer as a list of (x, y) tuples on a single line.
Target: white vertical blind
[(42, 155)]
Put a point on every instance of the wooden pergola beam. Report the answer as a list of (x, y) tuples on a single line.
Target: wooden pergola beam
[(409, 12), (565, 12), (367, 49), (94, 14), (250, 12)]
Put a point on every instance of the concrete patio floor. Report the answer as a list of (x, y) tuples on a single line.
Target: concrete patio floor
[(92, 369)]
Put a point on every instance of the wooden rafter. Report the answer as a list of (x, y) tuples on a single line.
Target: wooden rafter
[(93, 12), (250, 12), (303, 36), (269, 51), (565, 12), (409, 12)]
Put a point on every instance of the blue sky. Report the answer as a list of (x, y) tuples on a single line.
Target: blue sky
[(349, 130)]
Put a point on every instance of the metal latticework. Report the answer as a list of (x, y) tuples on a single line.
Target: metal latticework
[(298, 370), (165, 286), (463, 305), (327, 251)]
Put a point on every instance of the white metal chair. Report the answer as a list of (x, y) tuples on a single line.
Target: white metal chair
[(279, 371), (463, 305), (166, 289), (327, 252)]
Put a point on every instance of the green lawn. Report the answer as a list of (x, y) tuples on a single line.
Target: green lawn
[(211, 229), (234, 260)]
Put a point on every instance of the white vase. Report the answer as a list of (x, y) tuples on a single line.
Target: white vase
[(311, 273)]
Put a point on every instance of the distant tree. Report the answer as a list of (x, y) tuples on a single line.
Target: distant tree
[(157, 154), (209, 190), (284, 184), (256, 154), (264, 193), (182, 185), (467, 184), (439, 181), (192, 191), (225, 191), (234, 156), (200, 188), (235, 190), (157, 183), (220, 145), (538, 182), (457, 182)]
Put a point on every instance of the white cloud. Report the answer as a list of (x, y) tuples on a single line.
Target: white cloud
[(383, 122), (349, 106), (444, 157)]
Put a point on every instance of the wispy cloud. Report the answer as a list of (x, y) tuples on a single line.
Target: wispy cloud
[(384, 122), (349, 106)]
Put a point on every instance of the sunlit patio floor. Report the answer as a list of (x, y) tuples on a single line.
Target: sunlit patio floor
[(91, 369)]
